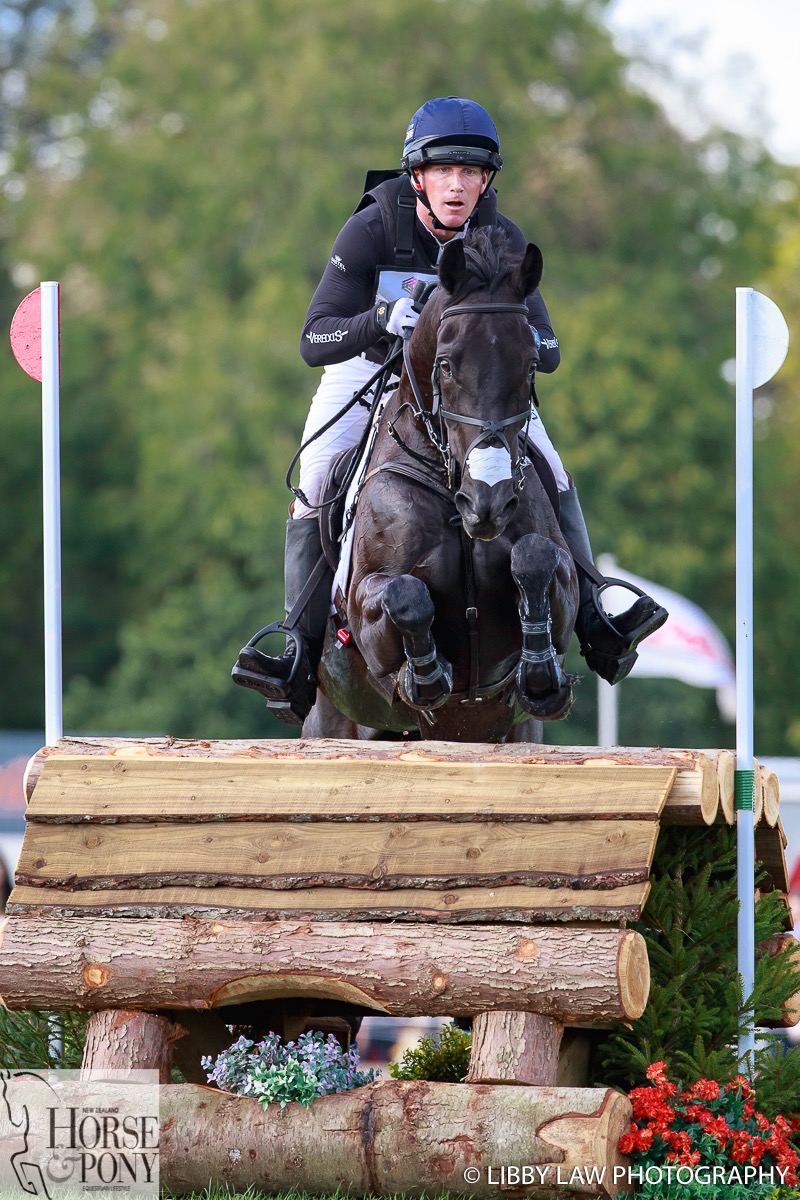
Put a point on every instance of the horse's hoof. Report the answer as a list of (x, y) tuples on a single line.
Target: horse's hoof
[(548, 708), (424, 694), (551, 706)]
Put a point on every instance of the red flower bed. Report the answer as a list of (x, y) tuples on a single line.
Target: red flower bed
[(705, 1124)]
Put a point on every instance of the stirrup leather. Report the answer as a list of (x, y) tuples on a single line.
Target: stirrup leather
[(290, 699)]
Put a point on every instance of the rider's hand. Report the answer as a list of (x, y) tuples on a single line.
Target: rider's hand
[(399, 317)]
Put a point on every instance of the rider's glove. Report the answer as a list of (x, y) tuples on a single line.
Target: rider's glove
[(398, 317)]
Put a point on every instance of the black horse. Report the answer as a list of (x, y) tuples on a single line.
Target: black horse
[(462, 593)]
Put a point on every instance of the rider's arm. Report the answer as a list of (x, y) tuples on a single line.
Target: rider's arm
[(341, 321), (549, 350)]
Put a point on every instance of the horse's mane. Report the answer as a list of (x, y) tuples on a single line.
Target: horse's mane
[(490, 261)]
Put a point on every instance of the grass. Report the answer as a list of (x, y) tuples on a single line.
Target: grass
[(220, 1192)]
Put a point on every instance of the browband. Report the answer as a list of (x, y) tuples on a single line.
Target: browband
[(461, 309)]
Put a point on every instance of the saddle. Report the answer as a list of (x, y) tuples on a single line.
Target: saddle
[(333, 497)]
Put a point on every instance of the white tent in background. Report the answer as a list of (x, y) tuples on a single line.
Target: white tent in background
[(689, 647)]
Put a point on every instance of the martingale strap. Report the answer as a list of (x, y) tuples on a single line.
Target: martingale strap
[(409, 472)]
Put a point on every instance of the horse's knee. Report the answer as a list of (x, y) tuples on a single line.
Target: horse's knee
[(408, 604), (534, 558)]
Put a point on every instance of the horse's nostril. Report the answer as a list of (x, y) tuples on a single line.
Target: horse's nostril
[(464, 506), (508, 511)]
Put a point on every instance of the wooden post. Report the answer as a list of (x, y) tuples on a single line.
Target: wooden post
[(122, 1040), (514, 1047)]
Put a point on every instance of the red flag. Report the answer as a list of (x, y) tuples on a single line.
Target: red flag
[(26, 335)]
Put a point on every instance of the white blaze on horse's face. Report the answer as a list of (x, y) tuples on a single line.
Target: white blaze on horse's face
[(489, 464)]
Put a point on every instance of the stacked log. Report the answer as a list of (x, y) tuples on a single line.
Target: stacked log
[(164, 885), (583, 976), (399, 1138)]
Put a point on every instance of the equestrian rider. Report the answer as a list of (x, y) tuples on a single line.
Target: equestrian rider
[(450, 158)]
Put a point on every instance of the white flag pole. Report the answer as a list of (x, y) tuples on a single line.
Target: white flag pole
[(51, 496), (745, 779), (607, 713), (607, 696), (762, 339)]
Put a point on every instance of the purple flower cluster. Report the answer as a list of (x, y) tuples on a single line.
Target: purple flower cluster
[(312, 1066)]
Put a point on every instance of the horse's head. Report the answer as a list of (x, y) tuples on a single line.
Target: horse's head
[(483, 372)]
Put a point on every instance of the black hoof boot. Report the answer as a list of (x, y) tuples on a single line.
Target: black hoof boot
[(286, 681), (609, 643)]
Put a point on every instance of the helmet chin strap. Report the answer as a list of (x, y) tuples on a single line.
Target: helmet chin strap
[(437, 224)]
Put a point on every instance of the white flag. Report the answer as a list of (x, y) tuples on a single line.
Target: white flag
[(689, 646)]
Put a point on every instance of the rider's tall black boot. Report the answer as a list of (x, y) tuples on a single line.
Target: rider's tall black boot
[(288, 681), (607, 643)]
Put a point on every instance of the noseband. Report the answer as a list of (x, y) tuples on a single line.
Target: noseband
[(486, 429)]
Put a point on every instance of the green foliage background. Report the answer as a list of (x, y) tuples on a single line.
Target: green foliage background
[(182, 167)]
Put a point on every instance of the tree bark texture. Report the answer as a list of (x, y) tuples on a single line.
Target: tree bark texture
[(457, 906), (771, 853), (786, 943), (580, 976), (121, 1040), (395, 1137), (514, 1047)]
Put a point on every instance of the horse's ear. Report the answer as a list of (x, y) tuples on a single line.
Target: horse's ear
[(452, 266), (527, 276)]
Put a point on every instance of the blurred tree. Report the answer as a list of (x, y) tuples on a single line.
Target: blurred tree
[(777, 471), (198, 159)]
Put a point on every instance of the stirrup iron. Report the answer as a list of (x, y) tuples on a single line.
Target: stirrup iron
[(289, 699)]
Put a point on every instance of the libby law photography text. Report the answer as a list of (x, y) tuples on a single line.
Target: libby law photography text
[(587, 1176), (72, 1133)]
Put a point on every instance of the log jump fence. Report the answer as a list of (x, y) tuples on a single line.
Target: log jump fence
[(173, 889)]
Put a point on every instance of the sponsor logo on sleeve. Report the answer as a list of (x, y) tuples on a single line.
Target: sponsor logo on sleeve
[(337, 336)]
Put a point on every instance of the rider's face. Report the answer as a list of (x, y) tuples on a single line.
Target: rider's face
[(453, 191)]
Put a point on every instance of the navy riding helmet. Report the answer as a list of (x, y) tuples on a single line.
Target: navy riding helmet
[(450, 129)]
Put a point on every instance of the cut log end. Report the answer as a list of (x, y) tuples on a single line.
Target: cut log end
[(770, 788), (634, 974), (726, 775)]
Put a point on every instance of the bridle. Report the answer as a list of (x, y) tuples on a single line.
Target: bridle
[(486, 429)]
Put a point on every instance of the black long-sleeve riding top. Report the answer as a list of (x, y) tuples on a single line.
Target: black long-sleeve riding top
[(342, 318)]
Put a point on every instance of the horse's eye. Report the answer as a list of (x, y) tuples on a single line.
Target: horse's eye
[(444, 367)]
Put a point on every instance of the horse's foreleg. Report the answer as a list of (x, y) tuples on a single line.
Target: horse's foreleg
[(402, 605), (543, 689), (426, 679)]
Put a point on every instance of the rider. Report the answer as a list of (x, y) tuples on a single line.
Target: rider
[(395, 237)]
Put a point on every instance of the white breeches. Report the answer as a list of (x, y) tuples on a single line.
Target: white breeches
[(338, 384), (539, 436)]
